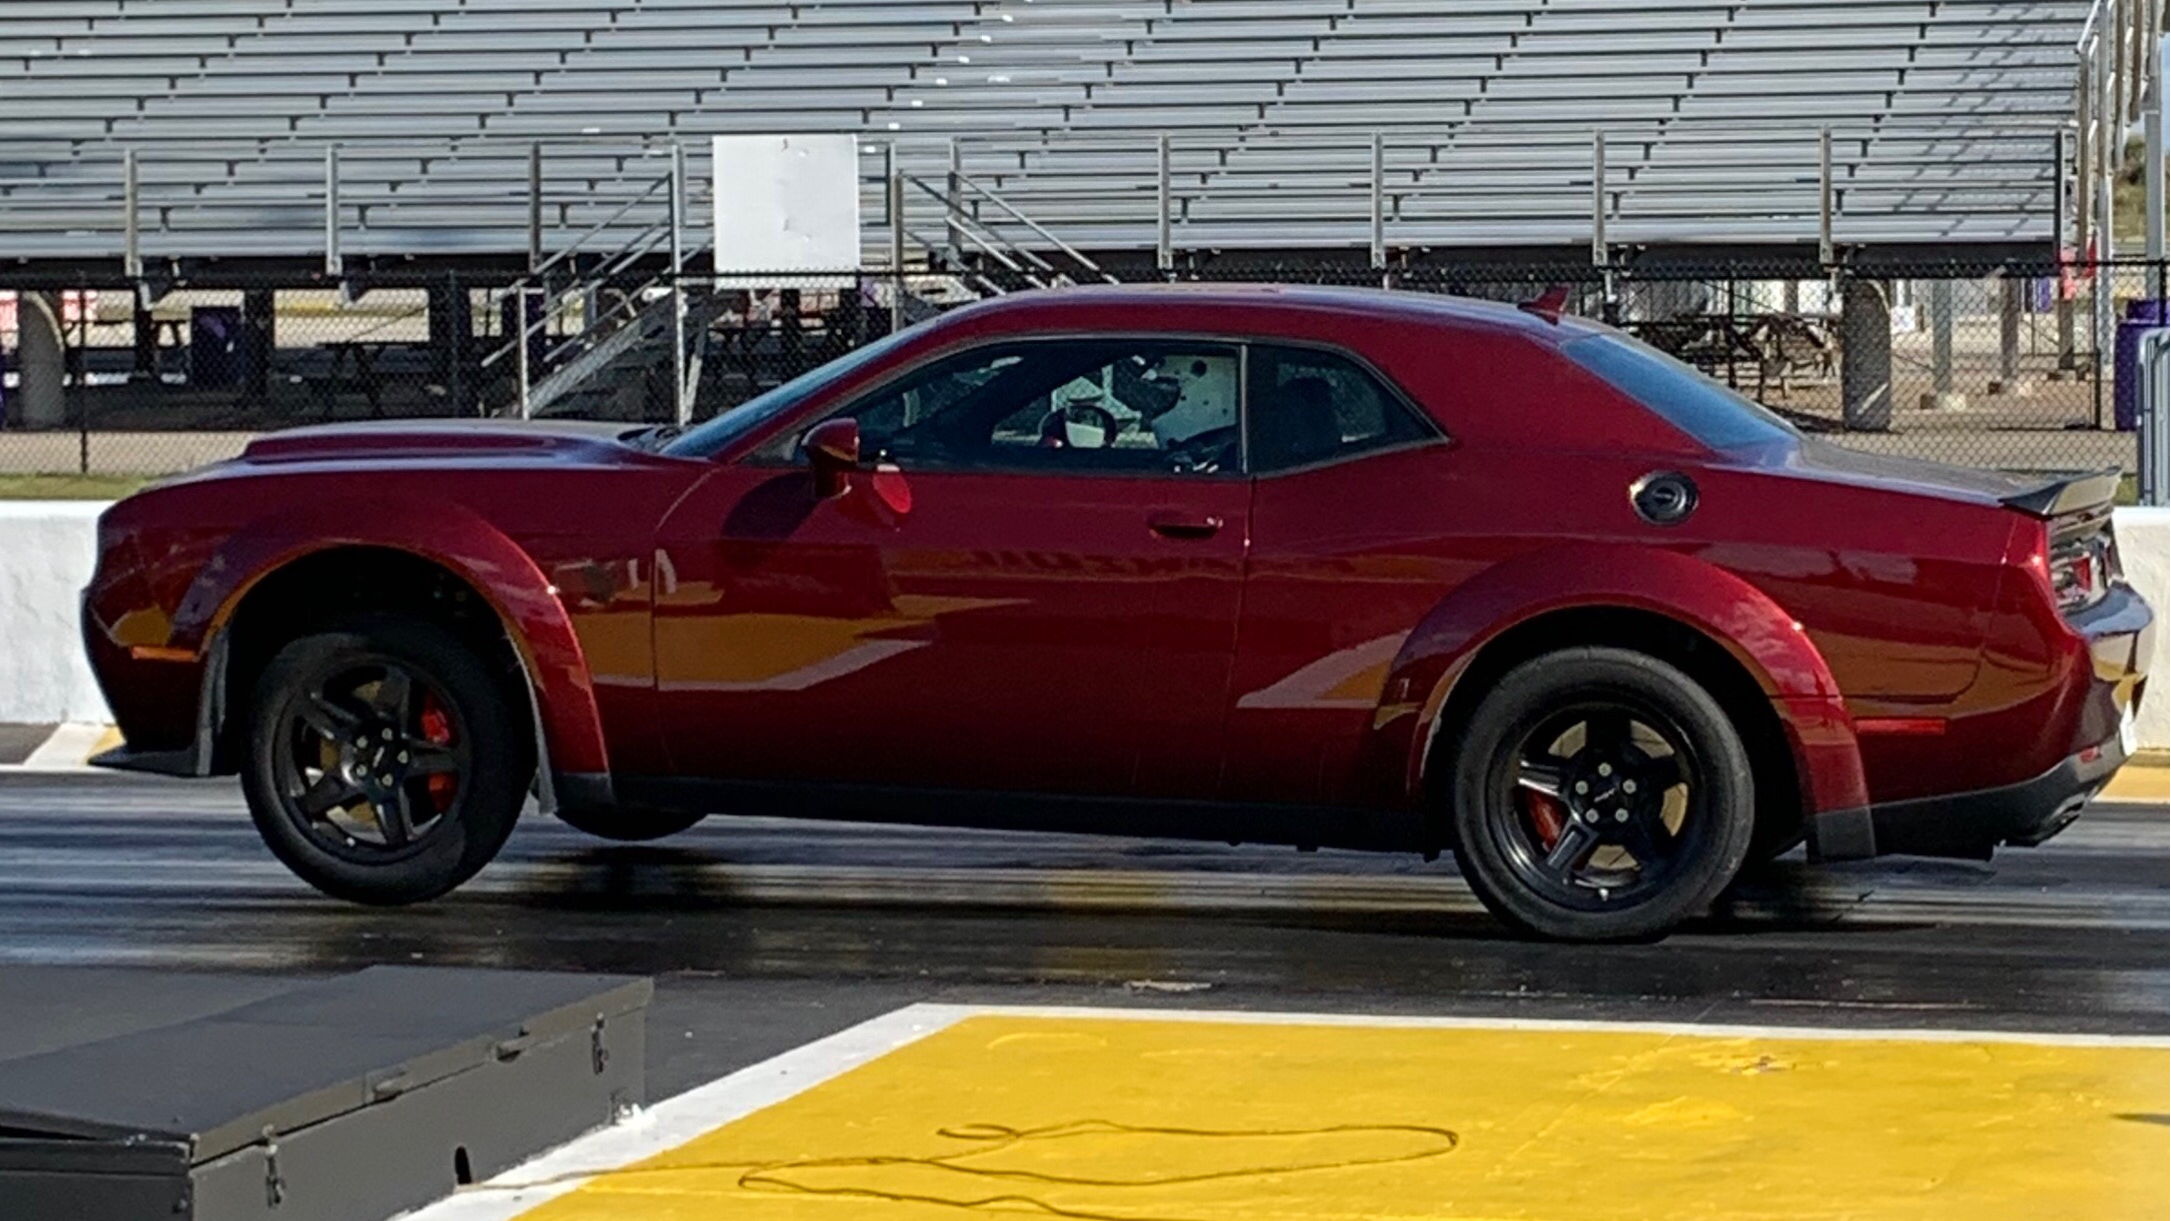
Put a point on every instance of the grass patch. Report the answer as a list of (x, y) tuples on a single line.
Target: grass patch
[(69, 487)]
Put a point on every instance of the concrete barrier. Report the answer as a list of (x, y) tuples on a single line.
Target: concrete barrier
[(47, 549), (2144, 545)]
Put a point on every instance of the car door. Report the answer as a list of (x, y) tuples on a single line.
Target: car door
[(1342, 566), (1033, 585)]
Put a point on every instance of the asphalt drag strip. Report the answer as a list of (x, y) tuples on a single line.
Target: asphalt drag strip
[(902, 1022)]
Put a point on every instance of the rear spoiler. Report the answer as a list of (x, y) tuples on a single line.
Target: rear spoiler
[(2067, 494)]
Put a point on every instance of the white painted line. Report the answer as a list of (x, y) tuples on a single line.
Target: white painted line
[(67, 750), (69, 746), (948, 1015), (690, 1115), (674, 1121)]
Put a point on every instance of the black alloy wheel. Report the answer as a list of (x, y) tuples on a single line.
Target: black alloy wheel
[(372, 756), (1600, 794), (386, 765)]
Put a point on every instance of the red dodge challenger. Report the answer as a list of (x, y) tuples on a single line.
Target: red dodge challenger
[(1291, 565)]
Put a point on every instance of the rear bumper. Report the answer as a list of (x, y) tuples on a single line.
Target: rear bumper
[(2024, 814), (2084, 715)]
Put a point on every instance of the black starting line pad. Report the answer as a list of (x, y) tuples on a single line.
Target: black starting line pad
[(351, 1099)]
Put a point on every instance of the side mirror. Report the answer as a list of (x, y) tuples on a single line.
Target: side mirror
[(832, 449)]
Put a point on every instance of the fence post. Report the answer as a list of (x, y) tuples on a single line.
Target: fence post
[(2152, 127), (332, 265), (681, 402), (1379, 208), (2154, 433), (522, 372), (1164, 247), (894, 182)]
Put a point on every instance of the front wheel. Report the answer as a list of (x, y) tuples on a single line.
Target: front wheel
[(385, 760), (1600, 795)]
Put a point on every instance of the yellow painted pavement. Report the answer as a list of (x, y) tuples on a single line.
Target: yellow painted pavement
[(1154, 1120), (2145, 778)]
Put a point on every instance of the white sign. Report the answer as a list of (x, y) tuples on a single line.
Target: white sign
[(786, 204)]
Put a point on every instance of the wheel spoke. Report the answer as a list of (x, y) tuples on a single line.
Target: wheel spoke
[(1607, 733), (1643, 835), (1545, 776), (1662, 772), (393, 695), (1577, 842), (430, 759), (330, 792), (328, 719), (395, 816)]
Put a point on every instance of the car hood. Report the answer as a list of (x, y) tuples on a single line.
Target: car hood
[(396, 439)]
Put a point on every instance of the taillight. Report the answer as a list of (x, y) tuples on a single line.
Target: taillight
[(2079, 576)]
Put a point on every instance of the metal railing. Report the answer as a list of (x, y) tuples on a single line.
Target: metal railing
[(547, 298)]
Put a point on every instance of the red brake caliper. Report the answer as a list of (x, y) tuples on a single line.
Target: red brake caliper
[(437, 731), (1547, 817)]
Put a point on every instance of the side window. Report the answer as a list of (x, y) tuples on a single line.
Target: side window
[(1309, 406), (1115, 405)]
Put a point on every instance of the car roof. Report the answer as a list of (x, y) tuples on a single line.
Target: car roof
[(1049, 306)]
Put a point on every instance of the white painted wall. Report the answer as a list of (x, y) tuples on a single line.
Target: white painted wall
[(47, 549)]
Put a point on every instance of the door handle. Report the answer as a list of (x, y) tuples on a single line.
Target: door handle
[(1184, 525)]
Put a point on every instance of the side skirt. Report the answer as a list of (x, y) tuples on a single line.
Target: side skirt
[(1301, 826)]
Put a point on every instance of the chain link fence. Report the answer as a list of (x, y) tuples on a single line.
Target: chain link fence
[(1983, 367)]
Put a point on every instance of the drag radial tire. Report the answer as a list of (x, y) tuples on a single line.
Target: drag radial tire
[(1600, 794), (628, 824), (386, 761)]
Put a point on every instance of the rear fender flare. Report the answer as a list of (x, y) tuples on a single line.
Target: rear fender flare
[(1767, 642), (568, 722)]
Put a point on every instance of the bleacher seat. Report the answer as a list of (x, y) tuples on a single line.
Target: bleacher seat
[(1943, 113)]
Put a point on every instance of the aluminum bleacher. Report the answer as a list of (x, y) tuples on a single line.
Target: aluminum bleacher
[(1943, 115)]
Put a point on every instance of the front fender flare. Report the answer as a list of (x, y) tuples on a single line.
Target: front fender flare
[(1759, 634), (454, 538)]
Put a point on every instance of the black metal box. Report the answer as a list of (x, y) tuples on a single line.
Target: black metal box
[(347, 1100)]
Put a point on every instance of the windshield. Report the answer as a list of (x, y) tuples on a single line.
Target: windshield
[(736, 423), (1685, 398)]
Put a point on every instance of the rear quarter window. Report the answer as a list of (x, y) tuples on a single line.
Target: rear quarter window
[(1695, 404)]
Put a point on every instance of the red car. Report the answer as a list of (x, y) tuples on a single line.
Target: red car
[(1277, 564)]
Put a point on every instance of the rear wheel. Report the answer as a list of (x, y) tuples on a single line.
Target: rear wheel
[(385, 760), (1600, 795)]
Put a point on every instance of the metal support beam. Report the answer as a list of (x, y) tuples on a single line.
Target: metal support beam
[(895, 204), (1600, 255), (952, 201), (535, 206), (1824, 199), (682, 399), (1164, 245), (131, 212), (333, 265), (1379, 206)]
